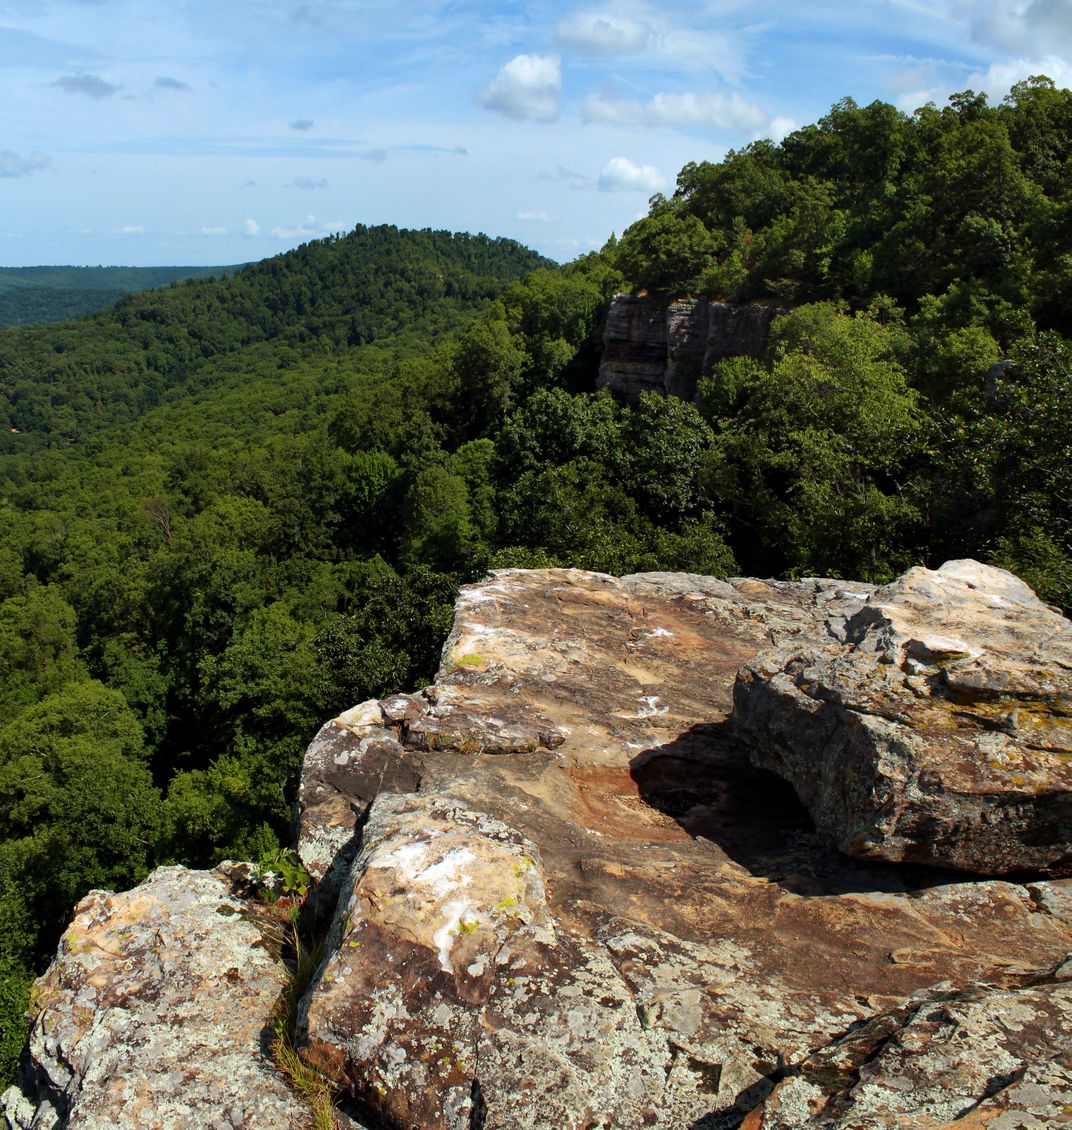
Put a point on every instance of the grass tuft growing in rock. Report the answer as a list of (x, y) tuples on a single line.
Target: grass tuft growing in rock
[(302, 950)]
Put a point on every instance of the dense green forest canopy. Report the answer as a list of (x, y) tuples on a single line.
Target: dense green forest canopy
[(231, 508), (914, 406), (969, 204), (32, 295)]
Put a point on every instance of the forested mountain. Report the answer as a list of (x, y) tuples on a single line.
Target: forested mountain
[(33, 295), (59, 383), (232, 508), (933, 422), (968, 205)]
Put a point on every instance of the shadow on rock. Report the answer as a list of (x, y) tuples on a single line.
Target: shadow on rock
[(704, 781)]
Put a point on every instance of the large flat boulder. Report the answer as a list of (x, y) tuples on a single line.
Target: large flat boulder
[(581, 905), (937, 727)]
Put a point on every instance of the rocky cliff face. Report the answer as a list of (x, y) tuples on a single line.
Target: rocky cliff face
[(563, 896), (650, 346)]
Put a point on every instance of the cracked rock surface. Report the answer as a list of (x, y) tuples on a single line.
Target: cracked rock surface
[(561, 896), (938, 729), (984, 1057), (152, 1015), (580, 905)]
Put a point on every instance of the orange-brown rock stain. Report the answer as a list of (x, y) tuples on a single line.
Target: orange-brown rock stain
[(609, 802)]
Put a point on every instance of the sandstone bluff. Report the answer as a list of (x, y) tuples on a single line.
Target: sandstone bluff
[(667, 347), (566, 891)]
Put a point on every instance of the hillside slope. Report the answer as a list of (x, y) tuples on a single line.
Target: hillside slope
[(34, 295)]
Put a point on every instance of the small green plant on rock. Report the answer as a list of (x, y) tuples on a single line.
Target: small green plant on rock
[(281, 873)]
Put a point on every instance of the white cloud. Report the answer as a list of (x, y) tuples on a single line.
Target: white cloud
[(1029, 27), (309, 182), (1000, 77), (561, 173), (712, 111), (130, 229), (914, 83), (608, 33), (693, 49), (919, 81), (622, 175), (12, 165), (604, 33), (214, 231), (306, 229), (536, 216), (251, 227), (529, 86), (778, 130), (92, 86)]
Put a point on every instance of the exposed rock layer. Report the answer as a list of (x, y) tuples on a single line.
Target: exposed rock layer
[(653, 346), (939, 729), (564, 898), (683, 920)]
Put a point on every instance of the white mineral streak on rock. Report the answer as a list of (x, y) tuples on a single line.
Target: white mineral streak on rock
[(469, 595), (459, 915), (650, 708), (485, 629), (423, 865), (364, 714)]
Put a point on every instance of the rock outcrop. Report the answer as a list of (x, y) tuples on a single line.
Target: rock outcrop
[(938, 730), (587, 908), (562, 896), (653, 346), (154, 1013)]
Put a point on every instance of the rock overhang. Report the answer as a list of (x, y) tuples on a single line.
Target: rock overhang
[(938, 729), (734, 940)]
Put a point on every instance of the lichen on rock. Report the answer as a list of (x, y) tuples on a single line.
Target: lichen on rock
[(153, 1015), (563, 897)]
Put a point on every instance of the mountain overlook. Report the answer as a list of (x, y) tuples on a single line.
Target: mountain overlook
[(236, 507), (563, 892)]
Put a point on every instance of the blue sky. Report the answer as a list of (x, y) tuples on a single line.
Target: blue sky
[(188, 132)]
